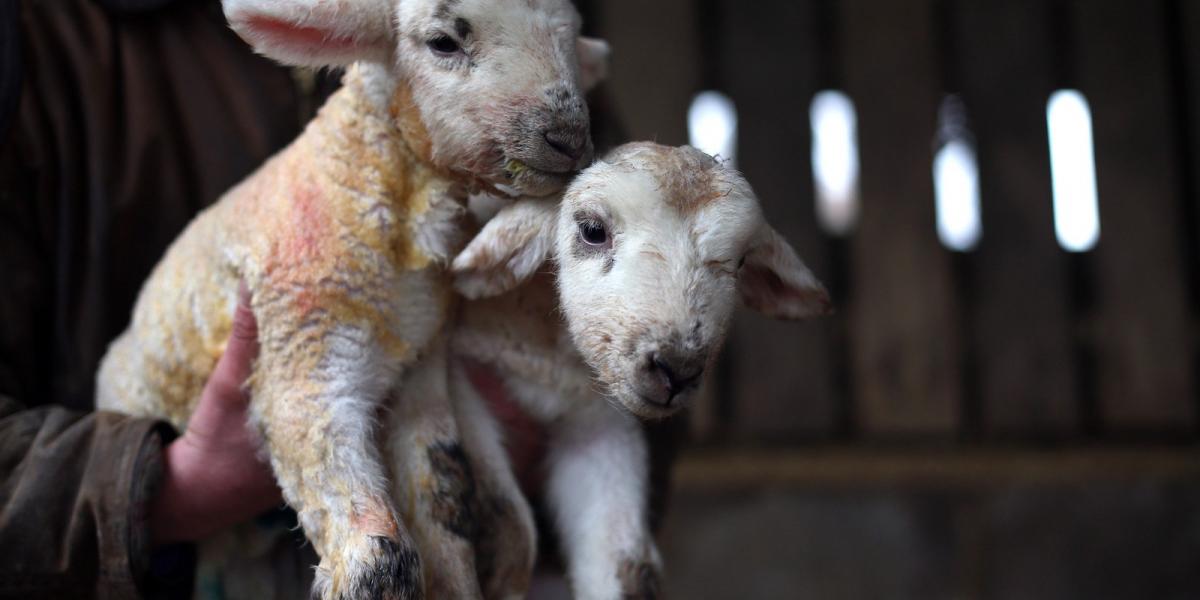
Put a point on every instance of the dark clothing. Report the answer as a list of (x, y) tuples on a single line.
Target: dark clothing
[(119, 120), (73, 500), (128, 124)]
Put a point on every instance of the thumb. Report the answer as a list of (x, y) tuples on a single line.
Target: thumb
[(237, 362)]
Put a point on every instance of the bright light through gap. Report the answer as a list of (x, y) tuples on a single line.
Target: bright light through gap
[(956, 180), (1073, 171), (712, 125), (835, 160)]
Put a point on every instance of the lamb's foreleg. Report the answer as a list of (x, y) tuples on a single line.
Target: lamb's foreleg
[(506, 548), (597, 494), (433, 480), (316, 398)]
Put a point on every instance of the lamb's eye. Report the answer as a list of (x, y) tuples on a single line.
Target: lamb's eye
[(444, 45), (593, 233)]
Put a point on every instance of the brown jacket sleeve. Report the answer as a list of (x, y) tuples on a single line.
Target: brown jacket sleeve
[(73, 492)]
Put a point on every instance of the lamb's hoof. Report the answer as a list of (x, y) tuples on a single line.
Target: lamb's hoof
[(390, 570), (640, 579), (506, 550)]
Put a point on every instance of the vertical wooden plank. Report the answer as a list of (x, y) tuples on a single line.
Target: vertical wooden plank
[(905, 348), (1186, 14), (1143, 329), (782, 372), (654, 67), (1022, 321)]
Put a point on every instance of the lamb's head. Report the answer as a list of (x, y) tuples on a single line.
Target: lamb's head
[(654, 246), (496, 85)]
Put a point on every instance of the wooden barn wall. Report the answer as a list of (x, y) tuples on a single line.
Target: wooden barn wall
[(1021, 337), (1183, 17), (1144, 344), (906, 348), (774, 153), (1014, 339)]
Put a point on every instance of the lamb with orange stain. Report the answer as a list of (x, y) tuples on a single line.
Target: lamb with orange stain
[(345, 291)]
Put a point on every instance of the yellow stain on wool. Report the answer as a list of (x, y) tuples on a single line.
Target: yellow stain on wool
[(324, 235)]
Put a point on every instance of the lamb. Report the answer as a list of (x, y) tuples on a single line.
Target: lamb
[(651, 247), (343, 237)]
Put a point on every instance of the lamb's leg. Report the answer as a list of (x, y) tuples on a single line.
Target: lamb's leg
[(506, 549), (316, 399), (597, 494), (432, 478)]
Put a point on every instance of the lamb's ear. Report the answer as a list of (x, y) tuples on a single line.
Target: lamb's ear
[(315, 33), (775, 282), (593, 61), (509, 250)]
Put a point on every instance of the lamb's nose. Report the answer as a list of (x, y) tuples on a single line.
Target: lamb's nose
[(568, 141), (676, 373)]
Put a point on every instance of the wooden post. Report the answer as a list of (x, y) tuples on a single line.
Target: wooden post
[(1143, 330), (1187, 44), (906, 348), (1022, 323), (654, 68), (781, 372)]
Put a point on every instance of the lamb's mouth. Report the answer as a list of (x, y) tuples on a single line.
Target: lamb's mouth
[(648, 409), (523, 179)]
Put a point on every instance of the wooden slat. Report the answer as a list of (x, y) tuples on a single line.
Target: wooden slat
[(855, 466), (1188, 15), (1022, 327), (781, 372), (905, 346), (1143, 331), (654, 67)]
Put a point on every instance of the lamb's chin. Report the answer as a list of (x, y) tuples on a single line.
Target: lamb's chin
[(642, 408), (533, 182)]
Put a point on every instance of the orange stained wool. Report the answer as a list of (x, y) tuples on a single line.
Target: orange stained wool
[(408, 120), (329, 235), (309, 227), (375, 517), (337, 210)]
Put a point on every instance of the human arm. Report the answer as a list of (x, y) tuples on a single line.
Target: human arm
[(84, 497), (74, 488), (213, 477)]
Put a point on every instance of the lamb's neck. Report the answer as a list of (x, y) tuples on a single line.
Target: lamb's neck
[(371, 164), (521, 334), (360, 146)]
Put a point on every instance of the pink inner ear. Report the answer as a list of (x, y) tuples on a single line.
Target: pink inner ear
[(766, 291), (765, 283), (298, 35)]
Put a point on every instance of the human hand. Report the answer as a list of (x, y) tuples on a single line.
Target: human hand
[(213, 475)]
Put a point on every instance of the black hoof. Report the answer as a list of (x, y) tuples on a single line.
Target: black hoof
[(396, 575)]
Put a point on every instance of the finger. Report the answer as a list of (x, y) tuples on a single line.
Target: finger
[(237, 362)]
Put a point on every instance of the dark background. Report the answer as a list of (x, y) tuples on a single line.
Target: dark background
[(1014, 421)]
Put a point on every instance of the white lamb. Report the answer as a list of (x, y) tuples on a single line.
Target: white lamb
[(343, 239), (651, 247)]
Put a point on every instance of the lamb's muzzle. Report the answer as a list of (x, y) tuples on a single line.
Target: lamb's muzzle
[(670, 373)]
